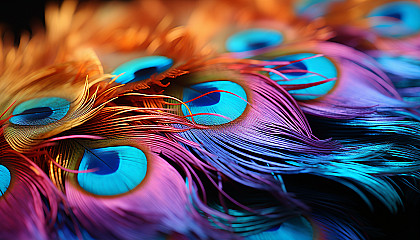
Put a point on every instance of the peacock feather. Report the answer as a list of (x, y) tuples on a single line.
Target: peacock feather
[(244, 119)]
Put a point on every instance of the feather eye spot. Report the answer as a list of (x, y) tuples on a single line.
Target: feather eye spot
[(40, 111), (142, 68), (253, 39), (396, 19), (119, 169), (215, 102), (5, 178), (307, 68)]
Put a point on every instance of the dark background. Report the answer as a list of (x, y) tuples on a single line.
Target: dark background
[(18, 16)]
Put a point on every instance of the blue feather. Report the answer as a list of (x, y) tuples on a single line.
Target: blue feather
[(228, 105), (141, 68), (253, 39), (400, 65), (5, 179), (119, 169), (40, 111), (396, 19), (404, 71), (306, 72)]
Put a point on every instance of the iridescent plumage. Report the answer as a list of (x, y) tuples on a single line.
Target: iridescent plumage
[(164, 120)]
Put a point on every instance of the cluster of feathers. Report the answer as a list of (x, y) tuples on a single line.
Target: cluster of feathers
[(243, 119)]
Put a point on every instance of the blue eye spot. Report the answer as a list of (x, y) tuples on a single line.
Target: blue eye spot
[(320, 65), (253, 39), (295, 66), (4, 179), (395, 15), (40, 111), (120, 169), (142, 68), (224, 103), (207, 100), (109, 164), (396, 19), (297, 228)]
